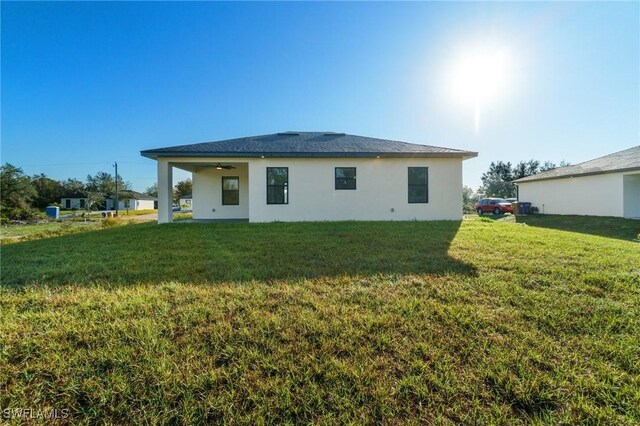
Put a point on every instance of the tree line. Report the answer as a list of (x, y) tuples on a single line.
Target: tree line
[(498, 180), (24, 197)]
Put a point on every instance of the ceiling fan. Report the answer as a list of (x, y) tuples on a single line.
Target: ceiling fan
[(220, 167)]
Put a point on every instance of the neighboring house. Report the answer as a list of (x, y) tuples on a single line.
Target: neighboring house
[(314, 176), (132, 200), (185, 200), (606, 186), (73, 202), (129, 200)]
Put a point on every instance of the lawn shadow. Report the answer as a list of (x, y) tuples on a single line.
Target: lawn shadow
[(208, 253), (609, 227)]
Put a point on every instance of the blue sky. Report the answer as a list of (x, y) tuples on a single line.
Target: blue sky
[(86, 84)]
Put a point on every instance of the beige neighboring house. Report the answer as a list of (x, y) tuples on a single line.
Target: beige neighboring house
[(314, 176), (606, 186)]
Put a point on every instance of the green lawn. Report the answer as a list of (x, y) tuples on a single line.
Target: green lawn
[(479, 321), (16, 233)]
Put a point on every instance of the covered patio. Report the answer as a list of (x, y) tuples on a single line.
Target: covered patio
[(220, 189)]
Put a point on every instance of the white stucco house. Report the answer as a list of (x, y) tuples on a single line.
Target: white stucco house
[(186, 201), (606, 186), (73, 202), (132, 200), (128, 200), (314, 176)]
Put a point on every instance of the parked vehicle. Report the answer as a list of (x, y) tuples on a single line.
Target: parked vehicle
[(493, 205), (511, 200)]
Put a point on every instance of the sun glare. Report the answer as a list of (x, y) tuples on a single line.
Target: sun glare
[(478, 78)]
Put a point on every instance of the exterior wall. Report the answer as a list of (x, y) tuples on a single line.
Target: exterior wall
[(595, 195), (207, 193), (631, 190), (133, 204), (144, 204), (381, 186), (75, 203), (185, 201)]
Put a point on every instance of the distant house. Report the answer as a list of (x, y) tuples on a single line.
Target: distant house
[(128, 200), (606, 186), (314, 176), (132, 200), (76, 201), (185, 200)]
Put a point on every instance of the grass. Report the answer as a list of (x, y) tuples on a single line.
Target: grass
[(136, 212), (478, 321), (15, 233), (610, 227), (124, 212)]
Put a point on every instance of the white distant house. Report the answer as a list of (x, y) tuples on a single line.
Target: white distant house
[(132, 200), (185, 201), (606, 186), (73, 202), (314, 176), (129, 200)]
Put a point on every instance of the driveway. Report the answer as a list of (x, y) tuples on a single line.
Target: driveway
[(143, 217)]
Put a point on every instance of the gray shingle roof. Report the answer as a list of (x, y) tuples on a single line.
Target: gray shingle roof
[(128, 194), (306, 144), (621, 161)]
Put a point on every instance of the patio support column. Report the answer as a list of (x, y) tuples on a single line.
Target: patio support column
[(165, 191)]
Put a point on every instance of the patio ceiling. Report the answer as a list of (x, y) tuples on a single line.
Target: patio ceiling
[(201, 165)]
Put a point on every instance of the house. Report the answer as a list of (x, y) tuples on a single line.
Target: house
[(76, 201), (185, 201), (314, 176), (132, 200), (606, 186), (128, 200)]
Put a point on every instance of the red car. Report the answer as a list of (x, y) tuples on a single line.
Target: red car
[(494, 205)]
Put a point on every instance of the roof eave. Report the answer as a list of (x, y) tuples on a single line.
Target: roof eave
[(462, 154), (572, 175)]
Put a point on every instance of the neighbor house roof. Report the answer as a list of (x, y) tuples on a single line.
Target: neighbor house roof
[(125, 194), (622, 161), (186, 197), (306, 144)]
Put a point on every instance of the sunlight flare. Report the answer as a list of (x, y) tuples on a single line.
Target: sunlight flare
[(479, 78)]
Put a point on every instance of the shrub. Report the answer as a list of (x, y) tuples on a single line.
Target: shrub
[(110, 222)]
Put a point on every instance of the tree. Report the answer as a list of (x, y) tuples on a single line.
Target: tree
[(48, 191), (525, 168), (497, 181), (548, 165), (104, 183), (469, 199), (72, 187), (184, 187), (95, 201), (152, 190), (16, 193)]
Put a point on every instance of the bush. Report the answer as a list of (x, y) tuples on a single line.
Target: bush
[(110, 222)]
